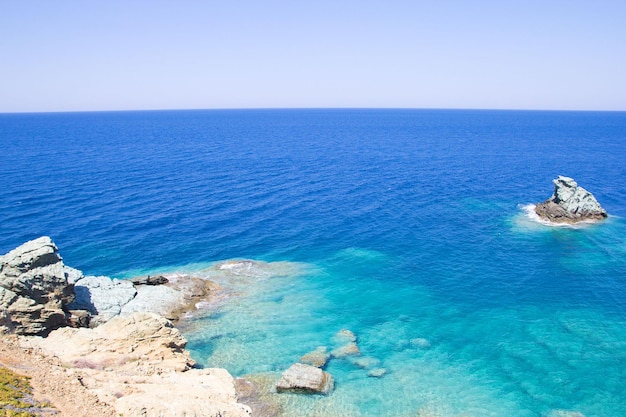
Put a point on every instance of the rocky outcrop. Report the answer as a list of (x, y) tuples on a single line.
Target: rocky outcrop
[(35, 288), (143, 343), (103, 297), (132, 359), (305, 378), (139, 365), (179, 296), (570, 203)]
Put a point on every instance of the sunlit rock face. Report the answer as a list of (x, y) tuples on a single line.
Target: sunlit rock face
[(570, 203), (35, 288)]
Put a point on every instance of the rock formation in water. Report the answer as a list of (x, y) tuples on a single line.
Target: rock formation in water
[(35, 289), (305, 378), (570, 203)]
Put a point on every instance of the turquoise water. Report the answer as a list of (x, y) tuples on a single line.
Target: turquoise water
[(408, 227)]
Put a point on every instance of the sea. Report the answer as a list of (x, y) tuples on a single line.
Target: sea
[(413, 229)]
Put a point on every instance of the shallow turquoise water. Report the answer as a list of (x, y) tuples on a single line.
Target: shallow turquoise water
[(407, 227)]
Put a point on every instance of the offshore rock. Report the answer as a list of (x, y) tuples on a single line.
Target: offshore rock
[(35, 288), (570, 203), (303, 378)]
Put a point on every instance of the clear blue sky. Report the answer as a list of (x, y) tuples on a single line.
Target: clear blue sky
[(113, 55)]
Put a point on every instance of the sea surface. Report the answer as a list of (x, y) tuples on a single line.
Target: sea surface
[(410, 228)]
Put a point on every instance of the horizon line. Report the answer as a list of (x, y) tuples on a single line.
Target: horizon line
[(316, 108)]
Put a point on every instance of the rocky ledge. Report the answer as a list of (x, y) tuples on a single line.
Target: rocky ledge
[(131, 358), (570, 203)]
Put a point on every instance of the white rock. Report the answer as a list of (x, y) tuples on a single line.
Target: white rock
[(305, 378)]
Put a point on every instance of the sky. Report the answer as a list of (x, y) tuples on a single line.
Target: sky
[(76, 55)]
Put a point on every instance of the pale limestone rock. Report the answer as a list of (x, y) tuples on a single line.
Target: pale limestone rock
[(318, 357), (306, 379), (349, 349), (138, 364), (195, 393), (570, 203), (142, 342)]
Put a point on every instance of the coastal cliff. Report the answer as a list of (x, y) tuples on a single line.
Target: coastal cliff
[(131, 361)]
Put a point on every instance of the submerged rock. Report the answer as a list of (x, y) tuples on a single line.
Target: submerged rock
[(35, 288), (564, 413), (318, 357), (345, 336), (366, 362), (420, 342), (377, 372), (305, 379), (570, 203), (349, 349)]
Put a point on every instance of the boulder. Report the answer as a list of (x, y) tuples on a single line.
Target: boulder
[(570, 203), (305, 379), (149, 280), (318, 357), (36, 287), (349, 349)]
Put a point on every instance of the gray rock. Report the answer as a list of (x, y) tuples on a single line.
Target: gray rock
[(570, 203), (158, 299), (34, 287), (103, 297), (303, 378), (149, 280)]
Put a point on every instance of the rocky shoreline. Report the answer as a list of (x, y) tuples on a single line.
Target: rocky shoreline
[(108, 343)]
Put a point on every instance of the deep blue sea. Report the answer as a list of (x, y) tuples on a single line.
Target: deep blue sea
[(408, 227)]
